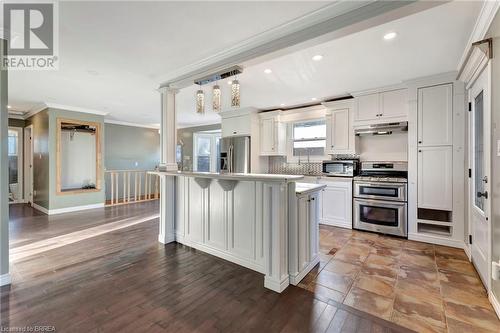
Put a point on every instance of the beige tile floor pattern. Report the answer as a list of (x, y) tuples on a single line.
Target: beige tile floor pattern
[(424, 287)]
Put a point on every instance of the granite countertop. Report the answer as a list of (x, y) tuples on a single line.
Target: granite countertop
[(305, 188), (232, 176)]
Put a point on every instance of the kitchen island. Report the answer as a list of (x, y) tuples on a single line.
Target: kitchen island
[(243, 218)]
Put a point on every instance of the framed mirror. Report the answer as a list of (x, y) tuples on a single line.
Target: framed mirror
[(78, 156)]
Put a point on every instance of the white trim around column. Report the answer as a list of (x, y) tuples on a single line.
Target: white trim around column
[(5, 279), (67, 209)]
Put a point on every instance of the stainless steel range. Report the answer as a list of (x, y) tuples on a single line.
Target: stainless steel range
[(380, 198)]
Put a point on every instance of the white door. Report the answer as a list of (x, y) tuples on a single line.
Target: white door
[(479, 98), (336, 203)]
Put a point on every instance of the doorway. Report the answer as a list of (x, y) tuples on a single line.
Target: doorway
[(479, 182), (15, 155), (28, 164)]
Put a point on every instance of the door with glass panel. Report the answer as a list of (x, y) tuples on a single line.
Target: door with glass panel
[(479, 183), (15, 154), (206, 151)]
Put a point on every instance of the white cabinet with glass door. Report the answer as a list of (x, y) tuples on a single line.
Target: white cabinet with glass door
[(206, 151), (307, 141), (340, 137), (272, 134), (15, 155)]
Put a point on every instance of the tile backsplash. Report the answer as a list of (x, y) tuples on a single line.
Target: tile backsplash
[(278, 165)]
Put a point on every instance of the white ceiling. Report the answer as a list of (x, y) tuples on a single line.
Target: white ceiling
[(113, 55), (114, 61), (429, 42)]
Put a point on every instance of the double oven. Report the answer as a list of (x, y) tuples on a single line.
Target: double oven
[(380, 201)]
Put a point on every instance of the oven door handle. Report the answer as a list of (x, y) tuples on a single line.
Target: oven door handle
[(381, 203)]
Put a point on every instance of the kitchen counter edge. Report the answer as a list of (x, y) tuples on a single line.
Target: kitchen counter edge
[(231, 176)]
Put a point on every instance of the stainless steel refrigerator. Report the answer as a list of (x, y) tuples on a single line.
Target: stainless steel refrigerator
[(235, 154)]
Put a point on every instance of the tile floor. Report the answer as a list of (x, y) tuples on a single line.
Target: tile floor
[(424, 287)]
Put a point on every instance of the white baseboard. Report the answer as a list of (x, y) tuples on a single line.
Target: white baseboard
[(165, 239), (343, 224), (436, 240), (40, 208), (5, 279), (495, 303), (467, 251), (75, 209), (295, 280), (276, 286)]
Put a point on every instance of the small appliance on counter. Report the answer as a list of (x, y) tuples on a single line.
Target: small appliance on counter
[(341, 168), (380, 198), (235, 154)]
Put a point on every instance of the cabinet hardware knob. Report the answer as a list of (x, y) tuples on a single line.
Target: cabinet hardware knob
[(482, 194), (419, 150), (420, 142), (313, 199)]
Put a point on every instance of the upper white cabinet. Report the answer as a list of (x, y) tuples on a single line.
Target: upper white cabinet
[(236, 126), (435, 178), (272, 134), (340, 137), (382, 107), (368, 107), (435, 115)]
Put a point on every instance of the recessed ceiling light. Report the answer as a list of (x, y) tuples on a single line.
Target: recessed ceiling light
[(313, 99), (229, 82), (8, 106), (267, 71), (317, 57), (282, 104), (390, 35)]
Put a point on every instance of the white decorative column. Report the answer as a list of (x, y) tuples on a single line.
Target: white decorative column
[(168, 142)]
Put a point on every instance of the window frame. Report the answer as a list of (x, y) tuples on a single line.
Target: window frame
[(290, 158)]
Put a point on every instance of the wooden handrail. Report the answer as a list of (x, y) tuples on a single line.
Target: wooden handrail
[(145, 186)]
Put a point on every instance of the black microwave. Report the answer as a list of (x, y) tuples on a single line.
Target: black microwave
[(341, 168)]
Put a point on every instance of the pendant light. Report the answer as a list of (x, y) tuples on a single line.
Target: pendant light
[(216, 94), (200, 101), (235, 93)]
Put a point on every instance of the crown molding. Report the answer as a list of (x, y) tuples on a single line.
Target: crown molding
[(483, 22), (341, 17), (124, 123), (34, 110), (75, 109)]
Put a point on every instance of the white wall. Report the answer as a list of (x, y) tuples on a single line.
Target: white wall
[(392, 147), (78, 160)]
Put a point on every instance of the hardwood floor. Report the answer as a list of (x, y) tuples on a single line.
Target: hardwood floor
[(124, 281)]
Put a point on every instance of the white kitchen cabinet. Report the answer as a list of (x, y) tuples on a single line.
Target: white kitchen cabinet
[(304, 233), (386, 106), (236, 126), (435, 178), (368, 107), (273, 135), (340, 137), (435, 115), (336, 202), (394, 104)]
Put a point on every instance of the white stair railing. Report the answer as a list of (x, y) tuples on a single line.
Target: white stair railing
[(130, 186)]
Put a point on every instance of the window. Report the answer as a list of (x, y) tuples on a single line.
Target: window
[(206, 151), (12, 142), (307, 140)]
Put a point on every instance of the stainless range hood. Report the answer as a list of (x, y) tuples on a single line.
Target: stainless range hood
[(382, 129)]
